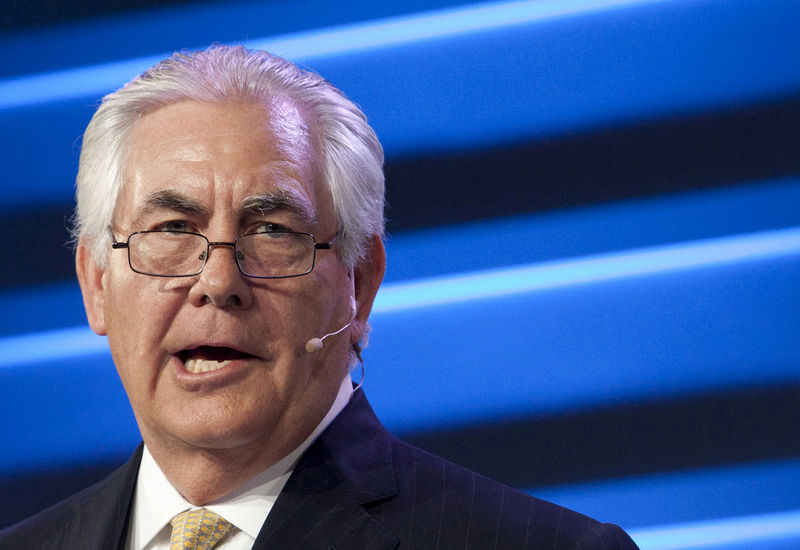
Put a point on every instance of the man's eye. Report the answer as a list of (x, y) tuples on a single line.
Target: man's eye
[(174, 225), (268, 227)]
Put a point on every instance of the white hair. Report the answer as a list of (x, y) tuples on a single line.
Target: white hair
[(351, 156)]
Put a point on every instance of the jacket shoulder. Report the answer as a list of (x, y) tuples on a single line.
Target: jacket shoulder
[(38, 530), (93, 518), (443, 502)]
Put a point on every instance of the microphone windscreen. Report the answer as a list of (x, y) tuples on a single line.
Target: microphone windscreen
[(315, 344)]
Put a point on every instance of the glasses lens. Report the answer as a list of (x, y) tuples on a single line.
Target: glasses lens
[(275, 254), (167, 253)]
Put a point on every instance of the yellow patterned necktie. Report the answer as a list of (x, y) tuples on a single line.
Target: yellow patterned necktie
[(197, 530)]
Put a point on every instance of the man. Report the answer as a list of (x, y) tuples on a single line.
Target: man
[(229, 243)]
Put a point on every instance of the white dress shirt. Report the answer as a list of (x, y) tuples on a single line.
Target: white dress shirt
[(156, 501)]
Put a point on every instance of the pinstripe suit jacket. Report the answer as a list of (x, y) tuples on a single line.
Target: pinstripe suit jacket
[(356, 488)]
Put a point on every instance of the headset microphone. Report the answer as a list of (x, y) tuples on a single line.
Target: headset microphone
[(315, 344)]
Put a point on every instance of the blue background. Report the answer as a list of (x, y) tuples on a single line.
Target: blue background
[(594, 245)]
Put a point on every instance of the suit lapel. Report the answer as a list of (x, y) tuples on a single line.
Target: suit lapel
[(322, 505)]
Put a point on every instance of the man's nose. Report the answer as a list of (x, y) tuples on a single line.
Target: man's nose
[(221, 283)]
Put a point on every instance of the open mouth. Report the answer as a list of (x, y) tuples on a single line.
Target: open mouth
[(209, 358)]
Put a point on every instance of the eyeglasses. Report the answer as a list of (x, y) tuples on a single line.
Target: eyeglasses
[(266, 255)]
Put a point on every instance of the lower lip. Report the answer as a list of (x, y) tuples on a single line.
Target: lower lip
[(229, 374)]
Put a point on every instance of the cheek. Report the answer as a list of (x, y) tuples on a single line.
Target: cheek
[(178, 284), (290, 312), (137, 314), (285, 316)]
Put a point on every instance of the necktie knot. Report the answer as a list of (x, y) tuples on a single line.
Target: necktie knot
[(197, 530)]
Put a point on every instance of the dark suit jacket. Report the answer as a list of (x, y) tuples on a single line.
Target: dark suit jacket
[(356, 488)]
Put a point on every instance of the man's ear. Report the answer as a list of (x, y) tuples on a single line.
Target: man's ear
[(367, 278), (90, 277)]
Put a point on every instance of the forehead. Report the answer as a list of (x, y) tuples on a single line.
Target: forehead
[(214, 153)]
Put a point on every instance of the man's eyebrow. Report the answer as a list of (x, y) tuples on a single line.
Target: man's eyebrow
[(280, 199), (168, 199), (172, 200)]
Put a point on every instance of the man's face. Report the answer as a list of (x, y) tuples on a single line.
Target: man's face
[(224, 171)]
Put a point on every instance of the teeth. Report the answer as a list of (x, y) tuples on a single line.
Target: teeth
[(204, 365)]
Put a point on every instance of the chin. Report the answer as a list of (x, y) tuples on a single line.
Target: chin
[(216, 438), (219, 429)]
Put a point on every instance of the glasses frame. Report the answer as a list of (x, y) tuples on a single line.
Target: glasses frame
[(116, 245)]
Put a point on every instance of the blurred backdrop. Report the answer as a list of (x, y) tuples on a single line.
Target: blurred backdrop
[(594, 243)]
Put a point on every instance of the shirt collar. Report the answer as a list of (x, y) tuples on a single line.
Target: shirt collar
[(156, 501)]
